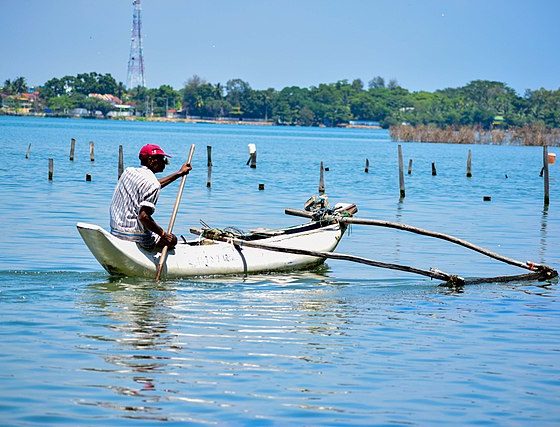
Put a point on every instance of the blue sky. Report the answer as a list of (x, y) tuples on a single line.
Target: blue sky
[(423, 44)]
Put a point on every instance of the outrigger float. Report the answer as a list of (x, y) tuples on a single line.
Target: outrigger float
[(231, 252)]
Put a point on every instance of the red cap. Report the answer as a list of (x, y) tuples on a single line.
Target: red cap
[(152, 150)]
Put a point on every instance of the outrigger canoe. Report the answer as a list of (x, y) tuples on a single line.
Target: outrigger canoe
[(205, 257)]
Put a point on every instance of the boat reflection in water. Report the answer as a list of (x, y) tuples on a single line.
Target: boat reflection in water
[(196, 341)]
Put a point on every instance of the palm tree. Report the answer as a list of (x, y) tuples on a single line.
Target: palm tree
[(7, 88), (19, 85), (121, 90)]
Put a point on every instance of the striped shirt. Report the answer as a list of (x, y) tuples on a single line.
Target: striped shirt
[(137, 188)]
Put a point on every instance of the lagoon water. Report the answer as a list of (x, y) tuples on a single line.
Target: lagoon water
[(346, 344)]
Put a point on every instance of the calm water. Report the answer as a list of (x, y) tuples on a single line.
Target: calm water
[(343, 345)]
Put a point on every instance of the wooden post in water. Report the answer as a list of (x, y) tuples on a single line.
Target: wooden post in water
[(366, 170), (252, 156), (322, 180), (88, 177), (434, 172), (121, 165), (91, 151), (253, 160), (410, 166), (209, 164), (51, 169), (469, 164), (545, 167), (401, 172), (72, 148), (28, 151)]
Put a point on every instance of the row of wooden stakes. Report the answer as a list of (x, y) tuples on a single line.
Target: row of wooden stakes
[(252, 162), (544, 173), (91, 158)]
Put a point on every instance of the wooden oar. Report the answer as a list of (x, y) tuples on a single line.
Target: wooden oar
[(173, 216)]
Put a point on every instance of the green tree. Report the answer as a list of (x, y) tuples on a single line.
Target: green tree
[(238, 94), (328, 102), (288, 104), (56, 87), (106, 84), (20, 85), (87, 83), (15, 87), (7, 87), (165, 97), (357, 85), (544, 107), (331, 104), (393, 84), (196, 95), (139, 97), (121, 91), (61, 104), (83, 84), (485, 99), (377, 83), (93, 104), (363, 106), (306, 116)]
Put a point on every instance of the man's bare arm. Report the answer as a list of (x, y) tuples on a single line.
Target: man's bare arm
[(185, 169)]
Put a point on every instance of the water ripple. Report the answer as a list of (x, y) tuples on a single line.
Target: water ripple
[(345, 344)]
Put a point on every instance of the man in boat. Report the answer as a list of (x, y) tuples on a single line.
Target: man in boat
[(135, 197)]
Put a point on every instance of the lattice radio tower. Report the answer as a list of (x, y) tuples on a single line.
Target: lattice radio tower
[(136, 60)]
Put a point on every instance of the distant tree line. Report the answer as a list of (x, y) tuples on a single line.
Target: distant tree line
[(481, 103)]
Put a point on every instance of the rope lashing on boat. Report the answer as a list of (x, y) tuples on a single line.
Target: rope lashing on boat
[(320, 210), (218, 234), (212, 233)]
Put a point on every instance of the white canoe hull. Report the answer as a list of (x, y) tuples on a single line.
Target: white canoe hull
[(205, 258)]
